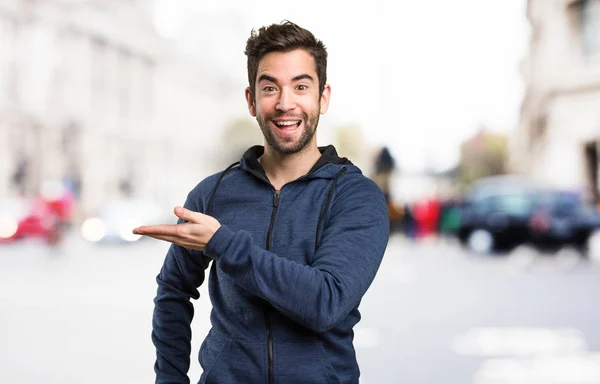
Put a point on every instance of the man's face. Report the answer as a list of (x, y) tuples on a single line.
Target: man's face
[(287, 103)]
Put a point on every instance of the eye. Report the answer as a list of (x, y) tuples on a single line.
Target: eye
[(269, 88), (302, 87)]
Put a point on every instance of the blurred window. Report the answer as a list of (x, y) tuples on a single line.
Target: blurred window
[(590, 28), (484, 205), (517, 205), (98, 74), (560, 202), (9, 29), (124, 84)]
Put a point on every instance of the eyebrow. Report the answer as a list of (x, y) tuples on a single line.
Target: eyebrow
[(297, 78), (303, 76), (267, 78)]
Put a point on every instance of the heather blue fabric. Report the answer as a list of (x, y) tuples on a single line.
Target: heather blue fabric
[(302, 297)]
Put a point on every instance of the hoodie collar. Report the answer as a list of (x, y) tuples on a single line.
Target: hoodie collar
[(328, 155)]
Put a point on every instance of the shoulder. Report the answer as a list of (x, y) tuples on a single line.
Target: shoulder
[(205, 186), (198, 197), (358, 184), (357, 190)]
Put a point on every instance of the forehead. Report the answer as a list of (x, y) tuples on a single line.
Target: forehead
[(286, 65)]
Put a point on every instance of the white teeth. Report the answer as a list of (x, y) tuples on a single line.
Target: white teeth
[(286, 123)]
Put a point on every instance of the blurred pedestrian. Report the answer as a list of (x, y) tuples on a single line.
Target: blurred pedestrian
[(295, 235), (384, 167), (408, 222), (383, 172), (449, 221), (426, 213)]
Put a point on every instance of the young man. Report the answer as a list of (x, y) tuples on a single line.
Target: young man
[(295, 234)]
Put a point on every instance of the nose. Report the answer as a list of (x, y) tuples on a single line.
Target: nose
[(286, 101)]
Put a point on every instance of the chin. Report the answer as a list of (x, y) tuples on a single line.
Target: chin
[(290, 149)]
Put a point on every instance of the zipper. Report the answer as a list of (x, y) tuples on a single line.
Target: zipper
[(272, 223), (267, 318), (269, 345), (276, 195)]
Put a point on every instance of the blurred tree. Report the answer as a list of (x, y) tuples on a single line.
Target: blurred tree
[(239, 135), (482, 155), (350, 142)]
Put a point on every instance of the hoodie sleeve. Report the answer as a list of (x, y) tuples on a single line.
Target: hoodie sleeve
[(320, 295), (182, 273)]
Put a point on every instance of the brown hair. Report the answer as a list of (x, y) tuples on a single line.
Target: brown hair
[(284, 37)]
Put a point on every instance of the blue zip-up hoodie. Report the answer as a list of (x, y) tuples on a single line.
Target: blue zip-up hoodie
[(289, 270)]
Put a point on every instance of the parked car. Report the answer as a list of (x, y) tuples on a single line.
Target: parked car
[(29, 218), (502, 212), (12, 213), (561, 218), (495, 213), (114, 222), (45, 216)]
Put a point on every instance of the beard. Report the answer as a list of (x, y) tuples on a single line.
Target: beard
[(289, 145)]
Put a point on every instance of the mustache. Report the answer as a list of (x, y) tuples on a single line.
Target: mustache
[(271, 116)]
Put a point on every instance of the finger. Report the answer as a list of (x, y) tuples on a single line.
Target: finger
[(178, 241), (150, 230), (170, 239)]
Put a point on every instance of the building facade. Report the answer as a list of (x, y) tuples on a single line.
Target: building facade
[(76, 96), (558, 138), (92, 96)]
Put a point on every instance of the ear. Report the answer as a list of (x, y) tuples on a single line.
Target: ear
[(325, 98), (250, 101)]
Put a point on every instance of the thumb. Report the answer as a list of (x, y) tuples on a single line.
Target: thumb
[(186, 214)]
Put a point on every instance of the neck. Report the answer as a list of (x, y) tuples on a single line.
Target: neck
[(282, 169)]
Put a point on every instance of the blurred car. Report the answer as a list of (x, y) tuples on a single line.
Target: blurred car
[(26, 218), (115, 221), (561, 218), (47, 216), (12, 212), (496, 212), (502, 212)]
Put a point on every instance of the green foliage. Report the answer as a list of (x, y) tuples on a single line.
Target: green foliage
[(239, 135), (483, 155)]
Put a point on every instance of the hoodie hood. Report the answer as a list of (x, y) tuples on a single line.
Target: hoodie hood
[(328, 165)]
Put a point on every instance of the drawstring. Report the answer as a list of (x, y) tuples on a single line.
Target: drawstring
[(214, 191), (326, 205)]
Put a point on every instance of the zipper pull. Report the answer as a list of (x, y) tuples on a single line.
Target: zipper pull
[(276, 199)]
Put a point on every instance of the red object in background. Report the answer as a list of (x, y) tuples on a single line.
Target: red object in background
[(427, 214), (45, 217), (62, 207), (41, 221)]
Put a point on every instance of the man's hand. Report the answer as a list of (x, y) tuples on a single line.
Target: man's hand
[(194, 234)]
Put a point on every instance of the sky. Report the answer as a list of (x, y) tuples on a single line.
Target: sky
[(417, 76)]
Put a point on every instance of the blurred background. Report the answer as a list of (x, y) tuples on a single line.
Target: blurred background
[(479, 120)]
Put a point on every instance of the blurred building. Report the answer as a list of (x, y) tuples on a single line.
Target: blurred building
[(77, 96), (91, 95), (559, 132)]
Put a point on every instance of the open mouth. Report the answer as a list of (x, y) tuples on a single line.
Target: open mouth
[(287, 123), (287, 126)]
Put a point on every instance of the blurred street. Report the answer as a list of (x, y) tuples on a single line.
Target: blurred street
[(112, 111), (81, 313)]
